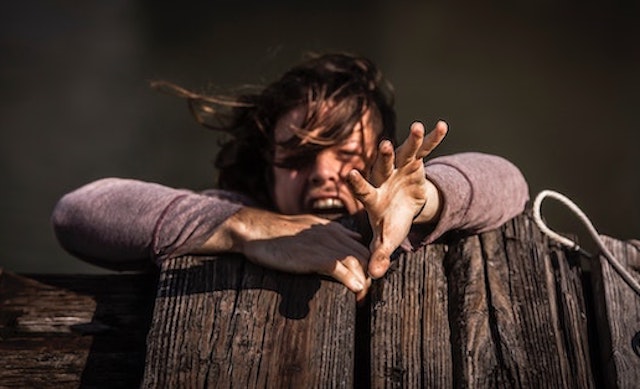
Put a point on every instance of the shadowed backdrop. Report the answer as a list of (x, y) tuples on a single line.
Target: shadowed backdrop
[(554, 87)]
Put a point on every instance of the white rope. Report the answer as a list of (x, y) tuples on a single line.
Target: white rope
[(626, 276)]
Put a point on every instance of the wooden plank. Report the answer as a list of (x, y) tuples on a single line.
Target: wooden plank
[(542, 321), (409, 323), (225, 322), (618, 313), (69, 331), (513, 306), (477, 360)]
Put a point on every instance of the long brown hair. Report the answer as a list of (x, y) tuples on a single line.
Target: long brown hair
[(336, 89)]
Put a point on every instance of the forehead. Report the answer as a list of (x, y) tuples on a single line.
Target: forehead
[(291, 121)]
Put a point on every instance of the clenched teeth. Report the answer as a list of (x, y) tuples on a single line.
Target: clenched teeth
[(329, 203)]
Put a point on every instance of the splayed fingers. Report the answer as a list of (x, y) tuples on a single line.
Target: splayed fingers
[(407, 152), (433, 139), (418, 145), (384, 163)]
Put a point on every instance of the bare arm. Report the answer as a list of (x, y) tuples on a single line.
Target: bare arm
[(295, 244)]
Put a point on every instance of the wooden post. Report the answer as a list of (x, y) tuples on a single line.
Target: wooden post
[(227, 323), (618, 316), (501, 309), (69, 331), (410, 331), (506, 308), (497, 310)]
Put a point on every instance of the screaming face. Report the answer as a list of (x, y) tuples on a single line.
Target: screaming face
[(318, 186)]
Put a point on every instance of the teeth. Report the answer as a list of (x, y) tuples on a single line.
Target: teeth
[(328, 203)]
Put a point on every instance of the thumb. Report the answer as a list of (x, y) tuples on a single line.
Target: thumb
[(361, 188), (379, 263)]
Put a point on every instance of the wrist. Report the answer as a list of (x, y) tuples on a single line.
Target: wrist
[(430, 211), (230, 236), (417, 215)]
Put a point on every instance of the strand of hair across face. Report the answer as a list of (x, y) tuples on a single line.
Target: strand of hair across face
[(620, 269)]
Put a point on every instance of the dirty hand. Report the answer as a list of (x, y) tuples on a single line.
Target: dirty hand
[(398, 193), (296, 244)]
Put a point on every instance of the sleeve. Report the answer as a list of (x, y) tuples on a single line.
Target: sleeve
[(116, 221), (479, 192)]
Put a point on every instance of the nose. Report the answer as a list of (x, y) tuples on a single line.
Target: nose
[(326, 168)]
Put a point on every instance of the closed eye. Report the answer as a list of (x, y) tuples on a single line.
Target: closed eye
[(349, 154)]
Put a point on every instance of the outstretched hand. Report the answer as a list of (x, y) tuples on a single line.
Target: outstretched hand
[(398, 193)]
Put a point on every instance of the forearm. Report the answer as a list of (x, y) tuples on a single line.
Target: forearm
[(251, 226), (120, 220), (293, 243), (478, 192), (231, 234)]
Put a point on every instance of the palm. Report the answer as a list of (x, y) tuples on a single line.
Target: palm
[(396, 192)]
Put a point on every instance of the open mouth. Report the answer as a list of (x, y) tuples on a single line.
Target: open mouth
[(328, 207)]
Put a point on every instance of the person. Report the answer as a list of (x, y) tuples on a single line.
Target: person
[(313, 146)]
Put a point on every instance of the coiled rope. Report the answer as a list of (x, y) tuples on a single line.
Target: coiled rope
[(537, 203)]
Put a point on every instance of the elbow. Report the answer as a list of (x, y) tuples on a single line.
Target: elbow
[(62, 211), (521, 191), (73, 217), (101, 223), (65, 220)]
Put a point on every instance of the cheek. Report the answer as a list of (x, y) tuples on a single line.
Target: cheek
[(358, 164)]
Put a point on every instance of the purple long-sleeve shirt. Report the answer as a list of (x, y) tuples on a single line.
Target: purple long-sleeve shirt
[(117, 221)]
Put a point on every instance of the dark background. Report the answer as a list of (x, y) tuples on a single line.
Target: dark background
[(554, 87)]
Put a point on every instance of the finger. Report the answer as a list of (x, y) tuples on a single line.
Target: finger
[(347, 278), (356, 267), (361, 188), (379, 264), (433, 139), (383, 166), (406, 153), (360, 296)]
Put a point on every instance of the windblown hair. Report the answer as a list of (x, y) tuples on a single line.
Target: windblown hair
[(335, 89)]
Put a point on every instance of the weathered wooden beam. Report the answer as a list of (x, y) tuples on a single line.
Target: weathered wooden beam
[(502, 309), (409, 323), (60, 331), (618, 316), (227, 323)]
